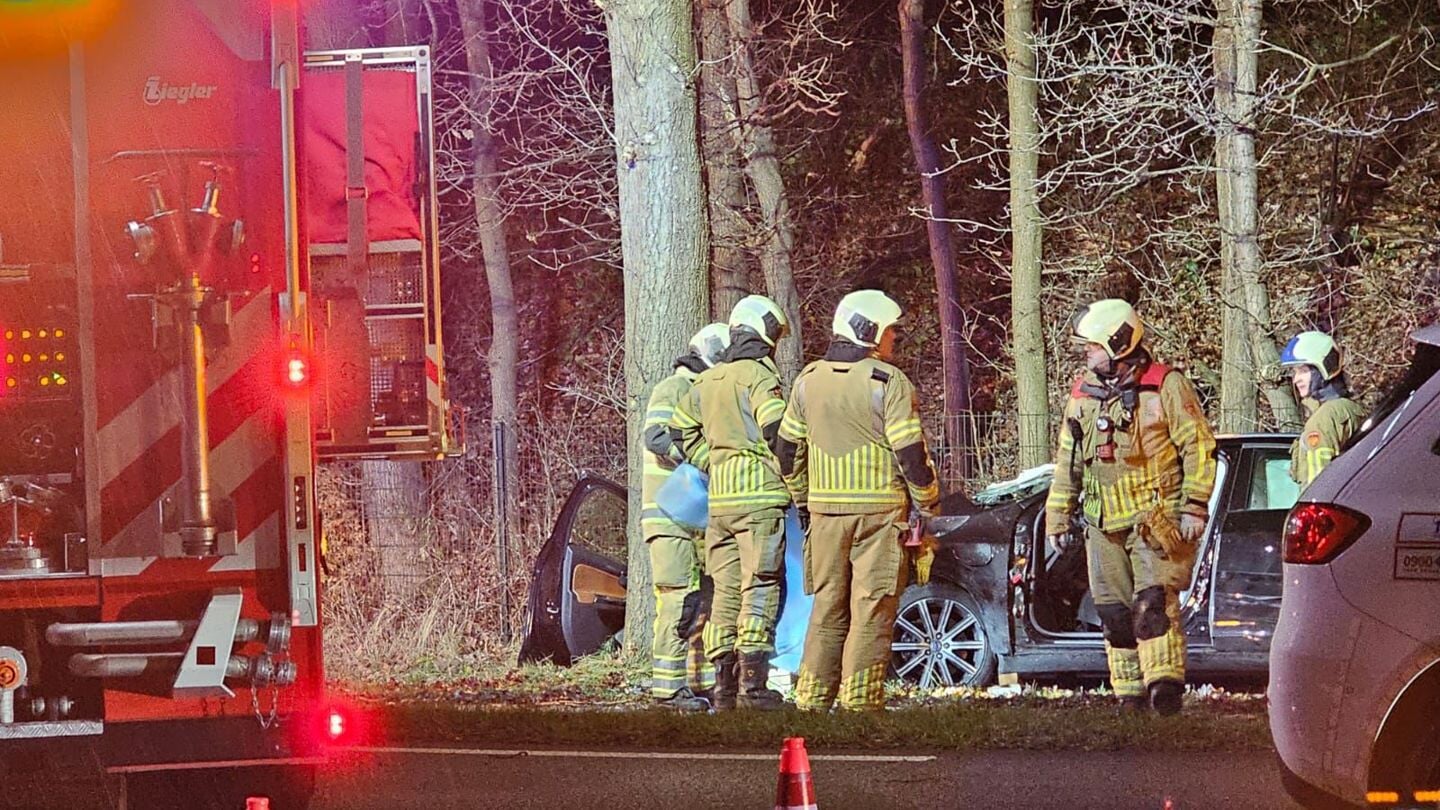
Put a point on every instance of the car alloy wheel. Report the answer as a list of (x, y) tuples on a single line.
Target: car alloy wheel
[(940, 641)]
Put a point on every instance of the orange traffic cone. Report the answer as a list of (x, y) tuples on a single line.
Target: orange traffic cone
[(795, 789)]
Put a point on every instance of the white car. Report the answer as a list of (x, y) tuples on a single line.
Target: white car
[(1355, 662)]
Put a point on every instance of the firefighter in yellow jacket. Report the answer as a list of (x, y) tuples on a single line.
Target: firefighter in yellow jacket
[(1136, 443), (680, 675), (853, 454), (1331, 416), (727, 425)]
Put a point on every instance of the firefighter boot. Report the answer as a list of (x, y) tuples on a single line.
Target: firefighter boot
[(1132, 705), (754, 694), (1165, 696), (685, 701), (726, 682)]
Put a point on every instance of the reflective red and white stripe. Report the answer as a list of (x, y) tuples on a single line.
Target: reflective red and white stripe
[(139, 450)]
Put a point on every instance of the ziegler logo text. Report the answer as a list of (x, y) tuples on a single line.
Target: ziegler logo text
[(157, 91)]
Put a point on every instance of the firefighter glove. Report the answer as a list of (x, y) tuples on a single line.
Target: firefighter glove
[(1192, 527), (1063, 542)]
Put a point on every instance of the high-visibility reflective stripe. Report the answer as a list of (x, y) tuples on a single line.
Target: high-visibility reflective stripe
[(792, 428), (864, 689), (769, 411), (873, 496), (1163, 658), (1125, 674), (903, 433)]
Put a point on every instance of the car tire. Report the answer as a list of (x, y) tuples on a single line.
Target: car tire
[(940, 639)]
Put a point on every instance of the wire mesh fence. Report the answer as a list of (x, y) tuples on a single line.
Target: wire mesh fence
[(418, 569), (974, 449)]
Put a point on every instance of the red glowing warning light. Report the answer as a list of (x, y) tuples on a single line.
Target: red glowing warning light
[(294, 368), (297, 371), (335, 725)]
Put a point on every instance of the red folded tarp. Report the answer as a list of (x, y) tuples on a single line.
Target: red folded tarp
[(391, 127)]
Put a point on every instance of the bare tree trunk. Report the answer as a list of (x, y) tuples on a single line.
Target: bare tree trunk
[(762, 166), (490, 224), (395, 493), (663, 232), (725, 180), (333, 24), (1239, 125), (954, 363), (1026, 233), (403, 22), (1237, 378)]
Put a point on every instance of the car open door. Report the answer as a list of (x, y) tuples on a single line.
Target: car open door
[(577, 588), (1245, 600)]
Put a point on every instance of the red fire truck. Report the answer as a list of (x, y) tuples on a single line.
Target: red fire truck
[(218, 268)]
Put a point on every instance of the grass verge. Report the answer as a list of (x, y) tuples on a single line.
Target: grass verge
[(602, 702), (1084, 724)]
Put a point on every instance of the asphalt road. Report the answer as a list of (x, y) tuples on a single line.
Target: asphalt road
[(678, 781)]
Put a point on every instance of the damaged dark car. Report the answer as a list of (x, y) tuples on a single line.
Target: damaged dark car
[(996, 599)]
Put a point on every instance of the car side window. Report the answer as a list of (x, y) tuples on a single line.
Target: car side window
[(599, 525), (1271, 486)]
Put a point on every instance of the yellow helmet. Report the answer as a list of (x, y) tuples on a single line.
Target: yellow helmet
[(864, 315), (710, 342), (761, 316), (1112, 323)]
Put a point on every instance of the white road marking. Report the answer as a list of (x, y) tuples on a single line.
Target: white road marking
[(509, 752)]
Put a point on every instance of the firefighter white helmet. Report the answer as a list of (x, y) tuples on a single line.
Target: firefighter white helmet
[(710, 342), (761, 316), (864, 315), (1313, 349), (1112, 323)]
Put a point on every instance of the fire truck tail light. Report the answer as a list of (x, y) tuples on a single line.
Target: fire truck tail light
[(335, 725), (295, 369), (342, 725)]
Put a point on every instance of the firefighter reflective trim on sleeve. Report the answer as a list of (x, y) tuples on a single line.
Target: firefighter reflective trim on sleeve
[(658, 416), (1315, 461), (770, 411), (682, 418), (791, 427), (903, 432)]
